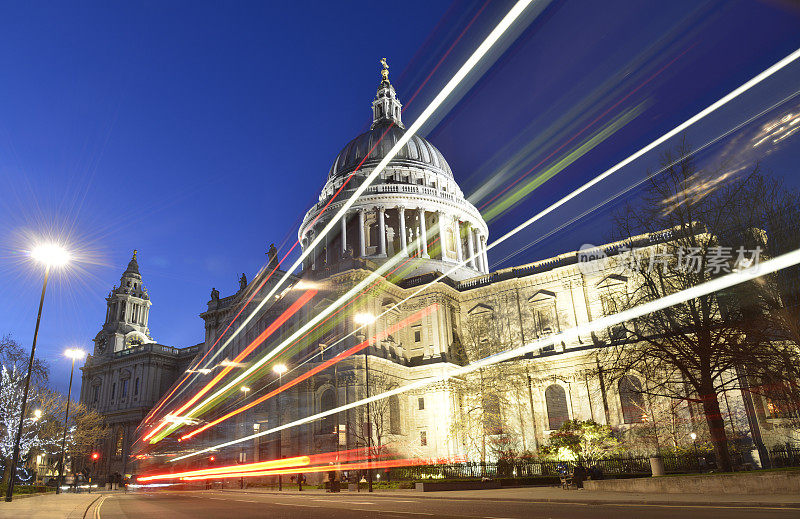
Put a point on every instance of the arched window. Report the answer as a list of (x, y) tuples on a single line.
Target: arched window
[(394, 415), (556, 400), (631, 399), (327, 402)]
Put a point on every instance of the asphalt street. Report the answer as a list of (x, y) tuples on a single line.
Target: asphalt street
[(230, 505)]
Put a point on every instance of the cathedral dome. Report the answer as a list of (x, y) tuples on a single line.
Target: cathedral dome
[(417, 152), (413, 207)]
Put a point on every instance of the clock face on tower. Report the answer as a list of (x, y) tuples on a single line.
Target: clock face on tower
[(101, 344), (133, 340)]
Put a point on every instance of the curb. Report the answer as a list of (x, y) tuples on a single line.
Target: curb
[(704, 504)]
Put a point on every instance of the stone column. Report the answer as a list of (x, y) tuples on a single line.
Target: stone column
[(381, 232), (459, 246), (470, 248), (403, 238), (423, 234), (361, 238), (440, 218), (484, 254), (344, 234)]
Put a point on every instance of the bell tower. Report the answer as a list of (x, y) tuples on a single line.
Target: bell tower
[(127, 313)]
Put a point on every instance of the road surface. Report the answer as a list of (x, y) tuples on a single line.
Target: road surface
[(234, 505)]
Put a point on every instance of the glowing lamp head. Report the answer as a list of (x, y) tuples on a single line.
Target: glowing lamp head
[(37, 414), (95, 456), (244, 389), (693, 436), (211, 458), (364, 319), (280, 369), (75, 353), (50, 254)]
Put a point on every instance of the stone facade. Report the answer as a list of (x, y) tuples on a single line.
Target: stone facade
[(128, 371), (416, 212)]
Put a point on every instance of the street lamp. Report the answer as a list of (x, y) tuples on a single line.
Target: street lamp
[(37, 414), (365, 319), (280, 369), (693, 436), (50, 255), (74, 354)]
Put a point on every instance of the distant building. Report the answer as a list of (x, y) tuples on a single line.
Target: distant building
[(128, 372)]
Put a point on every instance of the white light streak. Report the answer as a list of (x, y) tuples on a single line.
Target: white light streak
[(448, 89), (715, 285)]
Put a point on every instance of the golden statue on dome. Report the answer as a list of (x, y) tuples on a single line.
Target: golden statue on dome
[(385, 71)]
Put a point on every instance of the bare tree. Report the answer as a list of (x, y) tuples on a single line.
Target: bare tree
[(698, 343)]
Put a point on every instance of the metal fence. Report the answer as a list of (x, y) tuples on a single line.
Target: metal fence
[(785, 456), (629, 466)]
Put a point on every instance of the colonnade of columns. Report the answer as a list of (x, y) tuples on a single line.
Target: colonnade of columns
[(382, 231)]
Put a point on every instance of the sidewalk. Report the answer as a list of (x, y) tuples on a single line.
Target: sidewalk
[(49, 506), (558, 495)]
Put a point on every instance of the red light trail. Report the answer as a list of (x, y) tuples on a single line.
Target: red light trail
[(328, 363), (269, 330)]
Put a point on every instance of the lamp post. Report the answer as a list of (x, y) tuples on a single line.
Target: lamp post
[(365, 319), (74, 354), (50, 255), (693, 436), (280, 369)]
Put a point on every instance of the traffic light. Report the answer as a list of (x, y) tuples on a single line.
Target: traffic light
[(211, 459), (95, 456)]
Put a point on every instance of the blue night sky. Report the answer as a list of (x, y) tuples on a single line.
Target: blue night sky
[(200, 132)]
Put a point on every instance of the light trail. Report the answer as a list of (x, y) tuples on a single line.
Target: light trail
[(672, 133), (324, 468), (726, 99), (269, 330), (586, 127), (773, 265), (485, 46), (681, 127), (278, 349), (328, 363), (297, 461)]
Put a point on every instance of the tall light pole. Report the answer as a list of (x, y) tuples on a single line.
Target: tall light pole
[(74, 354), (365, 319), (280, 369), (50, 255)]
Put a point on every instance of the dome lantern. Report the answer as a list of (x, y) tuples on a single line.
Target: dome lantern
[(386, 109)]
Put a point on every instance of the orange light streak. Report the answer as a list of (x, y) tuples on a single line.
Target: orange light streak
[(269, 330), (297, 461), (358, 347), (324, 468)]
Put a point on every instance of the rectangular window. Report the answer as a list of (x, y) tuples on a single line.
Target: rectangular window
[(423, 438), (421, 402), (124, 388), (136, 386), (417, 335), (113, 390), (96, 395)]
